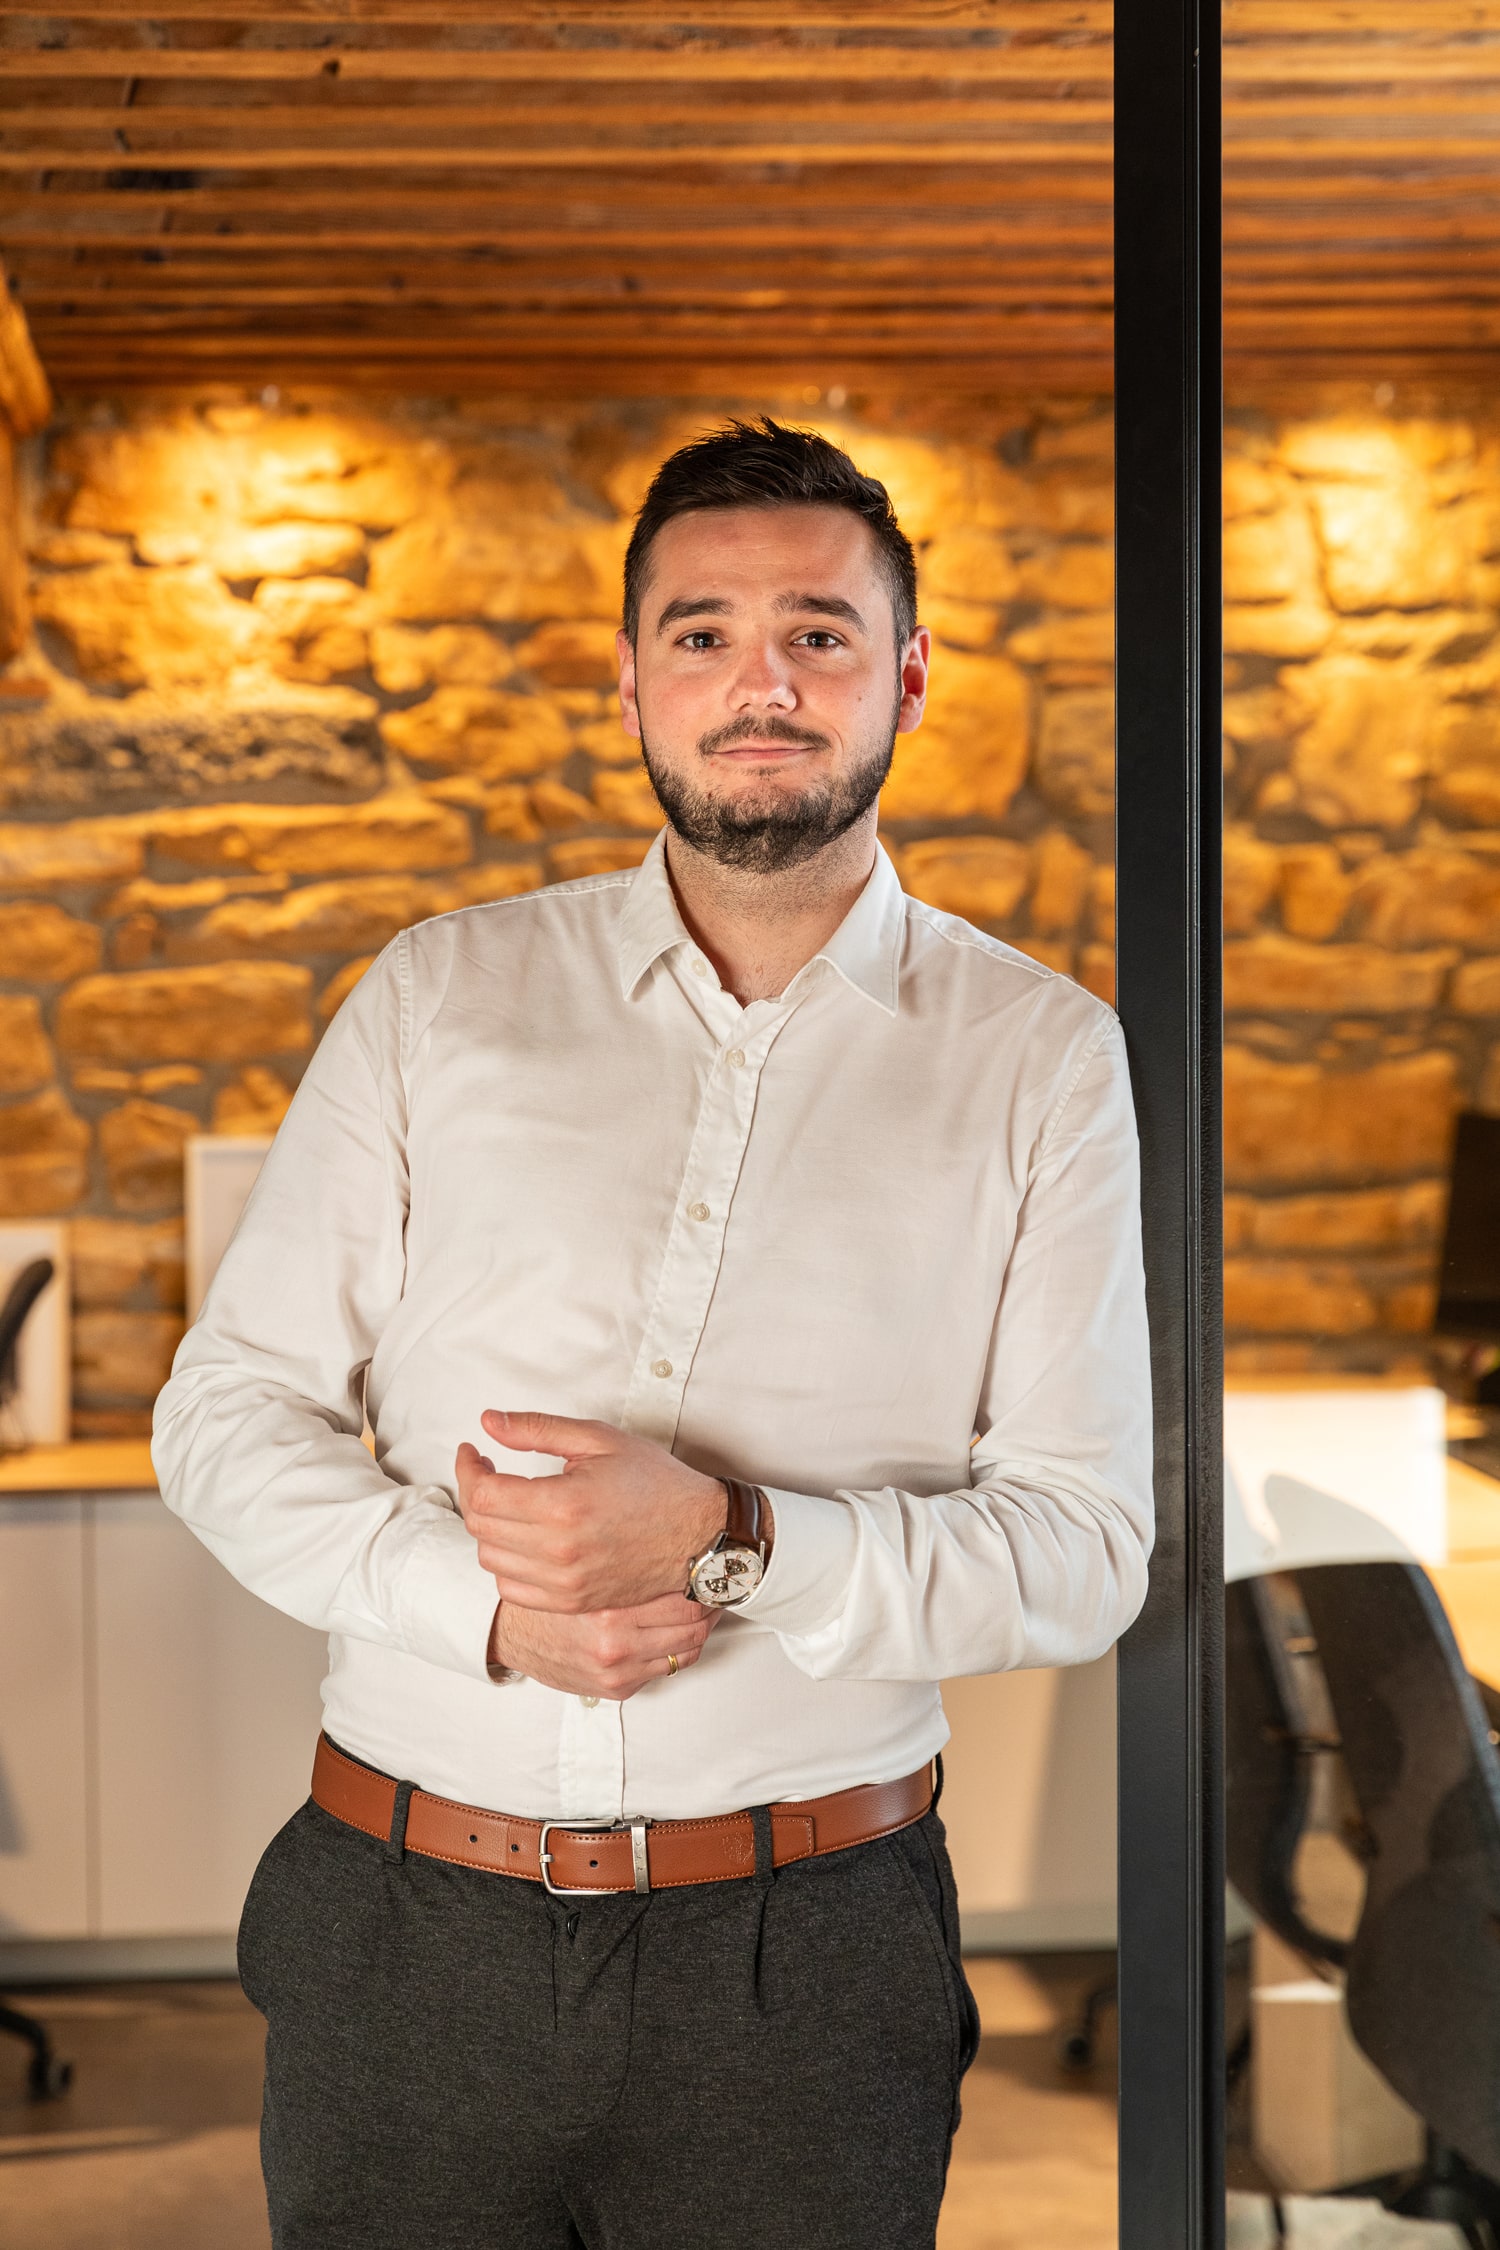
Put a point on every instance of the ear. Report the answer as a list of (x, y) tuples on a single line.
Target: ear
[(630, 717), (915, 659)]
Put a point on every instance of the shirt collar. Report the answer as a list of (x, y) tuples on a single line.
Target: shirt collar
[(865, 948)]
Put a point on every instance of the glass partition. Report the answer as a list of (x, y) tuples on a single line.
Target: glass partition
[(367, 332), (1361, 973)]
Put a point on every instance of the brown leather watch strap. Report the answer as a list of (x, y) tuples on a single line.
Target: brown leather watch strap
[(749, 1519), (636, 1856)]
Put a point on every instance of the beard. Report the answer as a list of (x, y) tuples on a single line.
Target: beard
[(765, 830)]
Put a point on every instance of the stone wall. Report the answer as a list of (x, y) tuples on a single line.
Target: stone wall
[(304, 672), (1362, 894)]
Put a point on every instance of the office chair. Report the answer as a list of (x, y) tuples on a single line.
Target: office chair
[(48, 2077), (1270, 1744), (1423, 1989), (24, 1290)]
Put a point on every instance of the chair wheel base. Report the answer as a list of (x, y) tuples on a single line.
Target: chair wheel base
[(48, 2078)]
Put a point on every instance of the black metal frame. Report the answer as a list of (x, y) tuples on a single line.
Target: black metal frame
[(1168, 420)]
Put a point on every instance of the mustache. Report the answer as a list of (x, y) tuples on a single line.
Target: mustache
[(761, 730)]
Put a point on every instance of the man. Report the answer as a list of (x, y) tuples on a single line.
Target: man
[(780, 1236)]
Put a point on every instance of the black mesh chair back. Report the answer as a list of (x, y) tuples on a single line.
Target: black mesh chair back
[(1270, 1745), (1424, 1970)]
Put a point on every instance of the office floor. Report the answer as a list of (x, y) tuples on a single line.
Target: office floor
[(154, 2149)]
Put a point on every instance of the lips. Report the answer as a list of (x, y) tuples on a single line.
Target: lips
[(767, 750)]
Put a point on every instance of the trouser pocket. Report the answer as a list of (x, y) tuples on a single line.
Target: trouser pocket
[(250, 1938), (921, 1852)]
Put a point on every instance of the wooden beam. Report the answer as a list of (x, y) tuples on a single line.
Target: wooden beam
[(259, 106), (573, 155), (798, 381), (90, 230), (587, 327), (333, 298), (596, 193), (244, 112), (698, 65), (146, 150), (485, 207), (1373, 62), (297, 104), (998, 18), (1393, 18)]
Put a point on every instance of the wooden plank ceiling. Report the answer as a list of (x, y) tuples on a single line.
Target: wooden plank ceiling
[(615, 195)]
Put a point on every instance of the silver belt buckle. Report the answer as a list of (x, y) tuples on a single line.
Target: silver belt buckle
[(638, 1859)]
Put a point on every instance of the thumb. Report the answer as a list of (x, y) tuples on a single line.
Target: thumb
[(557, 1434)]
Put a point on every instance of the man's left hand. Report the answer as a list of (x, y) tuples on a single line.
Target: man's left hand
[(619, 1526)]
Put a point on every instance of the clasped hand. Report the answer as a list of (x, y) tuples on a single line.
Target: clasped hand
[(590, 1565)]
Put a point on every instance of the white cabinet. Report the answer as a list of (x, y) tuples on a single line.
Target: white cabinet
[(157, 1723), (44, 1761), (207, 1715), (157, 1726)]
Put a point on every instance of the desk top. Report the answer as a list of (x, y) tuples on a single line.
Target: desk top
[(88, 1465)]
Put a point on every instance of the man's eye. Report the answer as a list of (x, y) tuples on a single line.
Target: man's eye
[(818, 638), (701, 639)]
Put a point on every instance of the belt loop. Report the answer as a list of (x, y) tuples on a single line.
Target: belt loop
[(765, 1876), (395, 1847), (937, 1787), (765, 1844)]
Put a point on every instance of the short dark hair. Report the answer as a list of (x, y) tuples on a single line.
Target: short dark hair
[(767, 465)]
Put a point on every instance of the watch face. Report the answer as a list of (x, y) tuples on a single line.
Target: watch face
[(728, 1577)]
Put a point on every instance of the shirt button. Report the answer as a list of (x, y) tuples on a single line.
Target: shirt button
[(661, 1367), (699, 1211), (589, 1702), (736, 1058), (700, 967)]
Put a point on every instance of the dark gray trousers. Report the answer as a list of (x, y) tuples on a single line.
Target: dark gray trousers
[(457, 2061)]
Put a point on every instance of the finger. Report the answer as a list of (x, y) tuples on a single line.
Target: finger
[(553, 1601), (508, 1499), (675, 1640), (530, 1550), (672, 1609), (557, 1434), (469, 1466), (686, 1659)]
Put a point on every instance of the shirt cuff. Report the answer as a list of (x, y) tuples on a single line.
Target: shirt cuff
[(447, 1600), (812, 1562)]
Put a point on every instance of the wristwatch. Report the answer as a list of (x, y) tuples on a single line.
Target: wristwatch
[(731, 1569)]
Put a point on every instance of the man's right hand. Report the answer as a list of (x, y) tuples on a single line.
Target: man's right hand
[(610, 1653)]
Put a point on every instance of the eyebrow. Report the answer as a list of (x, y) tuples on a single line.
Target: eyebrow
[(702, 605), (799, 605), (822, 605)]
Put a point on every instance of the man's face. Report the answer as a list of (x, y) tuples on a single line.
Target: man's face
[(766, 684)]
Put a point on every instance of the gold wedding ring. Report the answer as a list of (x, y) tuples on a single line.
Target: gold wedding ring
[(672, 1666)]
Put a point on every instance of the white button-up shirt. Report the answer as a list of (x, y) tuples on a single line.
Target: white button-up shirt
[(873, 1245)]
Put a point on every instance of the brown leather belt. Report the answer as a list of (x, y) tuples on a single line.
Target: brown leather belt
[(573, 1859)]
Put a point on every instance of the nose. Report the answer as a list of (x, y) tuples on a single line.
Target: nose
[(762, 680)]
